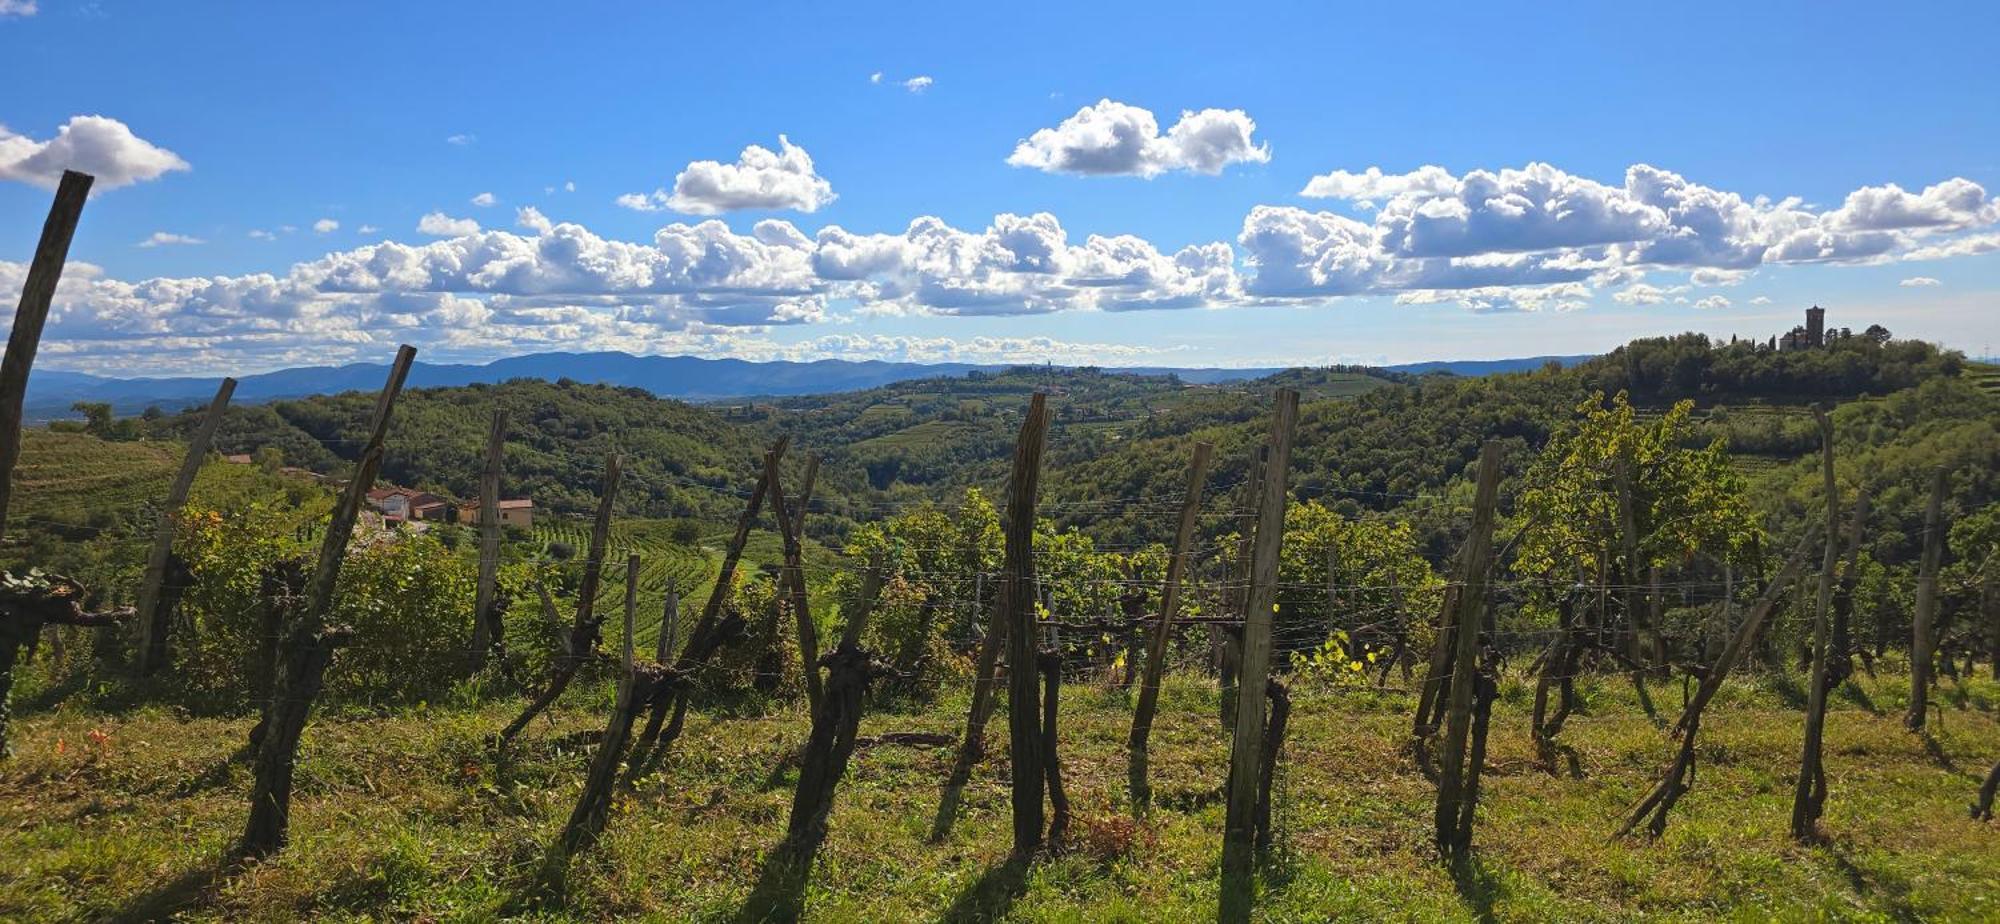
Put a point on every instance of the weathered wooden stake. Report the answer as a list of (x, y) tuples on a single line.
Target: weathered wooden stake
[(1163, 630), (709, 632), (1679, 776), (488, 635), (1049, 662), (309, 643), (1017, 601), (1239, 832), (1236, 590), (1923, 643), (44, 271), (1455, 802), (792, 579), (670, 620), (972, 747), (585, 631), (586, 821), (1267, 763), (1809, 795), (155, 615), (1840, 661)]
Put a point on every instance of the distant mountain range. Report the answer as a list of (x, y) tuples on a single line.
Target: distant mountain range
[(691, 378)]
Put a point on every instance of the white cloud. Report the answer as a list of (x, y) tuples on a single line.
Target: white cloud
[(326, 226), (438, 224), (875, 77), (166, 238), (366, 229), (1112, 138), (1539, 224), (1761, 300), (532, 219), (17, 8), (102, 147), (259, 234), (1915, 282), (917, 84), (1712, 303), (461, 140), (760, 179), (569, 186), (485, 200)]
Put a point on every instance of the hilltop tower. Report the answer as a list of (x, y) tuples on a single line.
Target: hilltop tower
[(1816, 326)]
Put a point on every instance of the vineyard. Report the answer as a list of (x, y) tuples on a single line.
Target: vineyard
[(1117, 650)]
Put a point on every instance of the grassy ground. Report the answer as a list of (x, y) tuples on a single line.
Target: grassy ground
[(124, 816)]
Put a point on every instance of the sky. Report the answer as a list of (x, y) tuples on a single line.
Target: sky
[(1111, 183)]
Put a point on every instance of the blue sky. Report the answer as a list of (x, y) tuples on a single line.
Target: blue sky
[(219, 129)]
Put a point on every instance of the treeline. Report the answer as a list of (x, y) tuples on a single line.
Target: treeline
[(1666, 369)]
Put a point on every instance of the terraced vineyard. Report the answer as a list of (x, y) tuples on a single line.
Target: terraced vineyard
[(1985, 375), (76, 479)]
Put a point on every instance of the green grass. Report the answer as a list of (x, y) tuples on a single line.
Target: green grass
[(408, 817)]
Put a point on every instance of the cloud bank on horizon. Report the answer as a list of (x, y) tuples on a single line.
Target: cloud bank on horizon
[(1532, 238)]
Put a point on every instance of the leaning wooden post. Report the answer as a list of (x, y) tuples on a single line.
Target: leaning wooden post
[(1163, 633), (487, 633), (849, 670), (1922, 642), (584, 631), (707, 634), (309, 644), (1453, 805), (792, 579), (1239, 833), (43, 274), (670, 620), (1809, 795), (1163, 630), (1017, 602), (1653, 808), (985, 667), (1236, 589), (155, 618), (586, 821)]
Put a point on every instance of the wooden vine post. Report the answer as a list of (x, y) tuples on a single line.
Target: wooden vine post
[(1017, 602), (1809, 794), (985, 670), (156, 599), (586, 821), (1458, 777), (585, 631), (44, 271), (1923, 642), (1163, 630), (792, 577), (310, 640), (1247, 748), (488, 635), (850, 669), (1236, 591), (711, 630), (1679, 777)]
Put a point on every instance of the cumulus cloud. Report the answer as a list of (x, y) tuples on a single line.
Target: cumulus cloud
[(259, 234), (102, 147), (1761, 300), (17, 8), (485, 200), (759, 179), (461, 140), (1712, 303), (1113, 138), (326, 226), (1915, 282), (917, 84), (166, 238), (438, 224), (366, 229)]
